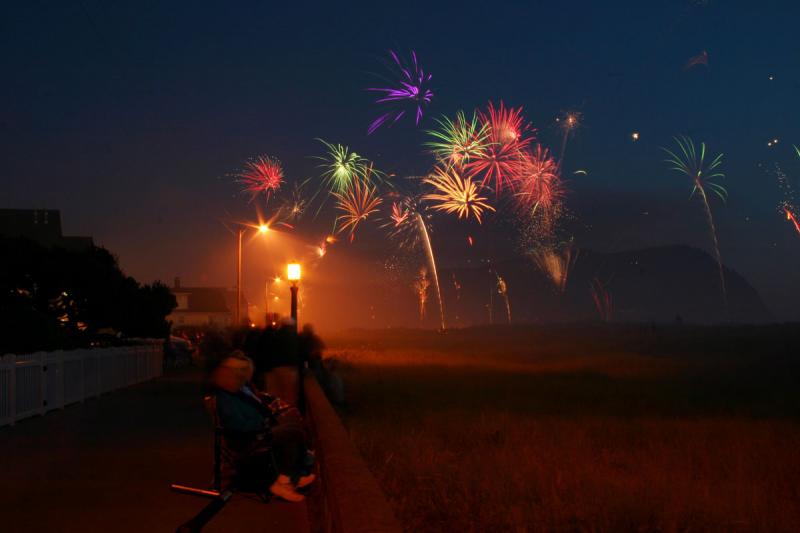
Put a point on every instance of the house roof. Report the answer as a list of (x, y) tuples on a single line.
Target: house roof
[(205, 299)]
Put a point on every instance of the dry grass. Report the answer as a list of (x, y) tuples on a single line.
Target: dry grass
[(467, 433)]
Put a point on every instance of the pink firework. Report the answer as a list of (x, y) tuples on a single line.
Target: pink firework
[(538, 183), (509, 135), (400, 214), (263, 174)]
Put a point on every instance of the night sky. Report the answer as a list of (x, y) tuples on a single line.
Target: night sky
[(131, 116)]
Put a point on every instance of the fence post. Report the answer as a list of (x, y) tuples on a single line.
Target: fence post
[(13, 388), (43, 383)]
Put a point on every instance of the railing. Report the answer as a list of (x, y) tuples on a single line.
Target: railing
[(36, 383)]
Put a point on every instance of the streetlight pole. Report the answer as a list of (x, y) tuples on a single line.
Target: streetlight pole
[(238, 313), (293, 275), (293, 289), (266, 298), (262, 228)]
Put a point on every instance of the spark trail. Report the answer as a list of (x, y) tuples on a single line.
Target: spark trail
[(691, 162), (429, 250)]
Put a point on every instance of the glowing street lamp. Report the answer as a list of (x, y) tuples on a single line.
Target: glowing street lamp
[(262, 229), (293, 275), (293, 272)]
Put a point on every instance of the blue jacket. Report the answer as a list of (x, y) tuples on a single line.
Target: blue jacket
[(241, 413)]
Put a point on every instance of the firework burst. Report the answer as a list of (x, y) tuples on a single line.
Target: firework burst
[(261, 175), (341, 167), (556, 264), (458, 141), (409, 91), (357, 204), (692, 163), (539, 183), (295, 204), (455, 194), (509, 136)]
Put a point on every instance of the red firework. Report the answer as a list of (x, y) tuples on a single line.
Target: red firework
[(263, 174), (504, 159), (538, 183), (790, 216)]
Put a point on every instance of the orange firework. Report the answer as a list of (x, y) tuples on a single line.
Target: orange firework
[(556, 264), (456, 194), (357, 203), (790, 216), (421, 285)]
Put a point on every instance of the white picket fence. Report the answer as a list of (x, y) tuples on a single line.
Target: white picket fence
[(36, 383)]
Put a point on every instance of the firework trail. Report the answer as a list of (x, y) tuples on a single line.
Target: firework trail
[(569, 121), (700, 59), (432, 261), (456, 286), (791, 216), (458, 141), (788, 206), (261, 175), (421, 285), (408, 224), (409, 90), (601, 297), (502, 290), (691, 163), (357, 203), (556, 264), (455, 194), (509, 135)]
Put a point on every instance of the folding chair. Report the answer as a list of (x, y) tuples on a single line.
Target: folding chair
[(215, 491)]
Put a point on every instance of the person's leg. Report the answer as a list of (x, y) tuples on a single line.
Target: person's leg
[(288, 448)]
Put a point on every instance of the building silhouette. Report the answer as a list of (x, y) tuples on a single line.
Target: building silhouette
[(42, 226)]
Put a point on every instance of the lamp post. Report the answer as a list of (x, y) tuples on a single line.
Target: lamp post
[(262, 228), (293, 275)]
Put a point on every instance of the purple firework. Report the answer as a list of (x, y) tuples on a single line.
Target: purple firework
[(410, 90)]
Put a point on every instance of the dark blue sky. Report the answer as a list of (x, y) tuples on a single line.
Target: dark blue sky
[(129, 115)]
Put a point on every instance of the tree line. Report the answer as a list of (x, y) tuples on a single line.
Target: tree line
[(53, 298)]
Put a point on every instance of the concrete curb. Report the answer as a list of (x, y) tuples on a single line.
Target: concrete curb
[(348, 498)]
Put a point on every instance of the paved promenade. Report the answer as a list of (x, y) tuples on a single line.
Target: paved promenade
[(106, 465)]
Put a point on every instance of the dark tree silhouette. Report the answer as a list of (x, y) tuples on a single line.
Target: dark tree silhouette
[(55, 298)]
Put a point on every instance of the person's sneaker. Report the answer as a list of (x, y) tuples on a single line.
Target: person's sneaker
[(283, 488), (305, 481)]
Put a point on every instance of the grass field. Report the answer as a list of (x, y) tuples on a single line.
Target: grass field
[(579, 429)]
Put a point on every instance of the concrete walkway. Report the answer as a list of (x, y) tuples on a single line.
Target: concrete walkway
[(106, 465)]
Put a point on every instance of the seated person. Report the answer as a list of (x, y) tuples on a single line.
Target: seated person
[(263, 431)]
